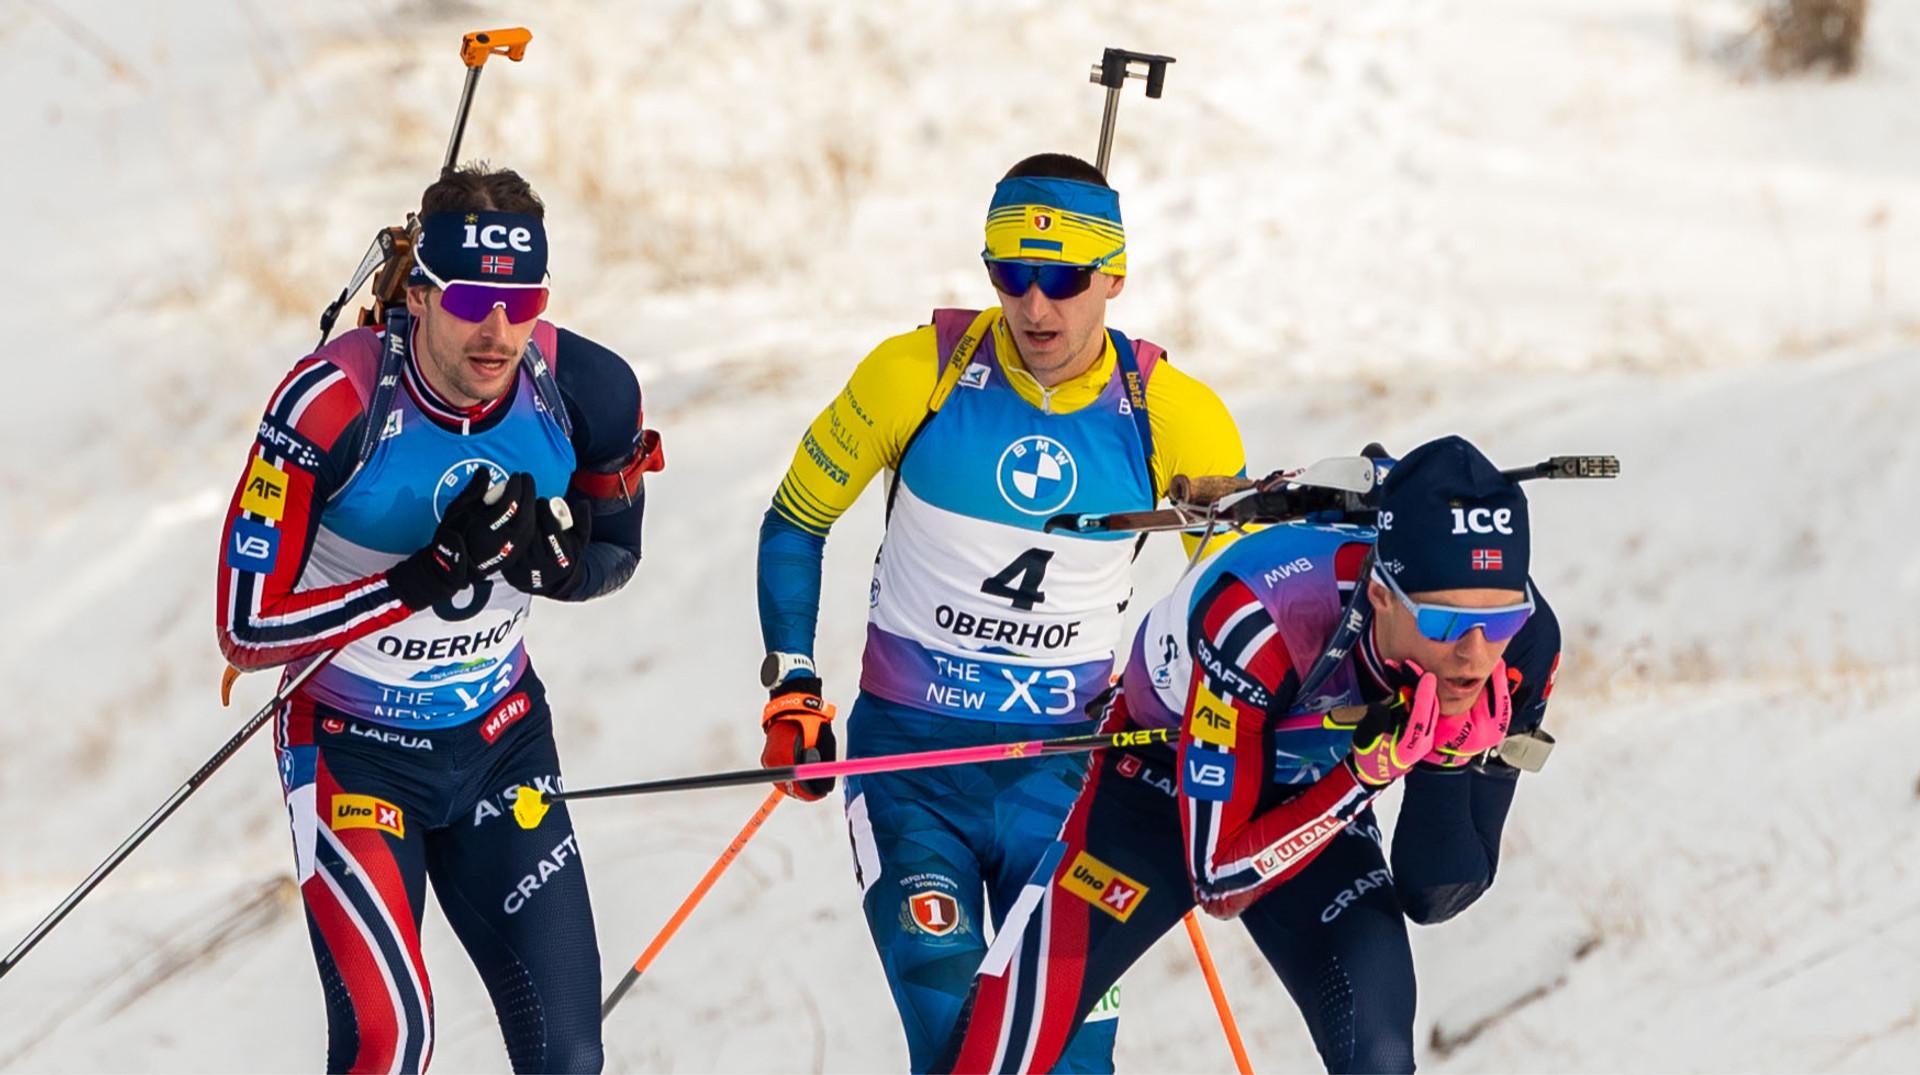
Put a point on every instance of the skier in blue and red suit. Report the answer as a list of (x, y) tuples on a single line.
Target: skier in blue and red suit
[(1306, 667), (364, 527)]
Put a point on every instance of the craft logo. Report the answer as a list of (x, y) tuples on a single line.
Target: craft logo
[(936, 913), (1486, 559), (265, 493), (504, 717), (1213, 717), (455, 479), (1103, 886), (1037, 475), (367, 812)]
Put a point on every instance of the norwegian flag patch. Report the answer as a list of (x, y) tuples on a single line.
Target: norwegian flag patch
[(496, 264), (1486, 559)]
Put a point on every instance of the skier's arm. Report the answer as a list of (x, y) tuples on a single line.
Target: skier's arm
[(301, 456), (864, 429), (606, 410), (1242, 679), (1446, 846), (1193, 433)]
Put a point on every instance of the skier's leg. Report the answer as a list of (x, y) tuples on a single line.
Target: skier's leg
[(1336, 937), (517, 899), (920, 878), (358, 848), (1029, 813), (1118, 882)]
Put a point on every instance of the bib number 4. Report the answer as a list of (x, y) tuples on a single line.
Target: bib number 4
[(1019, 581), (1019, 584)]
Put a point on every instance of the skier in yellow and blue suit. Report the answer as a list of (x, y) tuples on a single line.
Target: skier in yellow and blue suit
[(982, 625)]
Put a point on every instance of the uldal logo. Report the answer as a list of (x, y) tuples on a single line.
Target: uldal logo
[(1103, 886), (1037, 475), (456, 478), (367, 812), (502, 718)]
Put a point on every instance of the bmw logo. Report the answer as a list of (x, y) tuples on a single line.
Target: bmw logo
[(456, 479), (1037, 475)]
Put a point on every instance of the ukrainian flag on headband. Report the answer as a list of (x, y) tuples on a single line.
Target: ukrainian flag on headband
[(1048, 219)]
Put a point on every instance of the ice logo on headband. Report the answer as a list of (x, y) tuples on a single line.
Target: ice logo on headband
[(496, 236)]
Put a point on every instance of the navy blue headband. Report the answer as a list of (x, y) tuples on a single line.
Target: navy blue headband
[(483, 247)]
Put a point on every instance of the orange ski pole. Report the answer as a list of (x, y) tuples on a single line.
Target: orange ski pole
[(1227, 1024), (693, 900)]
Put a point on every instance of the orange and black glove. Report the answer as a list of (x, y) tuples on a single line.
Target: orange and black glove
[(799, 727)]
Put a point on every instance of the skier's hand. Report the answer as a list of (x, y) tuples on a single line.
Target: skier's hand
[(799, 727), (556, 554), (1458, 740), (1392, 736), (496, 527)]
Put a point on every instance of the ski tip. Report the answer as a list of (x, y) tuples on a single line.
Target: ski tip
[(529, 807)]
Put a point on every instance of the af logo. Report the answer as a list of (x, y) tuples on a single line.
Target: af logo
[(456, 478), (1037, 475), (265, 492)]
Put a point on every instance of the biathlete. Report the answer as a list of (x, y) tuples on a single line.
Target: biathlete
[(982, 625), (1307, 667), (363, 527)]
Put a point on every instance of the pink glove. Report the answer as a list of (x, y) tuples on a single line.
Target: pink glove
[(1393, 736), (1458, 740)]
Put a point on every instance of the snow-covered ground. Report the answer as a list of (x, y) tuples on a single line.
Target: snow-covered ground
[(1552, 225)]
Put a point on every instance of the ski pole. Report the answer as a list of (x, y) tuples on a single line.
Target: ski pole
[(1227, 1025), (693, 900), (165, 811), (1113, 70), (530, 804)]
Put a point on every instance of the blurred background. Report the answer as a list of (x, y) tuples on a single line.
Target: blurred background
[(1686, 232)]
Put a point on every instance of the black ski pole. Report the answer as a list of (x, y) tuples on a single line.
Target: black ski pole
[(530, 804), (159, 816)]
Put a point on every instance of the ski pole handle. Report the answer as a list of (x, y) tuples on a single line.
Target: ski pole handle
[(476, 49), (479, 46)]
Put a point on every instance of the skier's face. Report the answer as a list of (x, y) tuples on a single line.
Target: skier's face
[(467, 362), (1463, 665), (1060, 339)]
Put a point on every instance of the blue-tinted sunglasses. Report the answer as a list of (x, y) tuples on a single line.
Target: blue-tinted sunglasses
[(1450, 623), (1055, 280)]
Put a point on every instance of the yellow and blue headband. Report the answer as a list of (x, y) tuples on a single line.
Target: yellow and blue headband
[(1063, 220)]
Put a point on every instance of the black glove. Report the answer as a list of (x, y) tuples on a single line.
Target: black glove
[(558, 551), (473, 539)]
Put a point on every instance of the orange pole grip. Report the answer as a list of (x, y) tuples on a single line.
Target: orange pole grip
[(480, 45), (1227, 1025)]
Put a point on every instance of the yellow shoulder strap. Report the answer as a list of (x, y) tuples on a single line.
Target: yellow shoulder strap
[(963, 351)]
